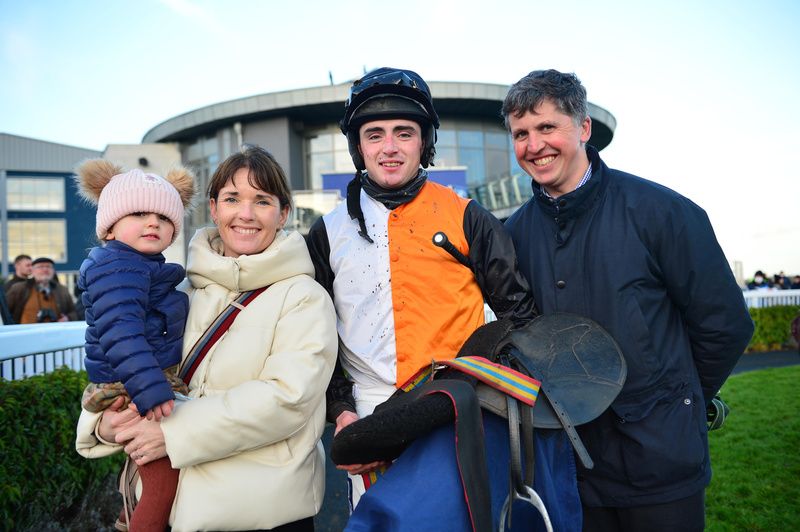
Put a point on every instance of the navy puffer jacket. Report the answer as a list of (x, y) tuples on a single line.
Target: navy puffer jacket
[(135, 320)]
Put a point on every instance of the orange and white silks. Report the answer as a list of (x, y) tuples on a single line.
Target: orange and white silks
[(401, 301)]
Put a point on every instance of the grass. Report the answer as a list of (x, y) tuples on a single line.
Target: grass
[(756, 455)]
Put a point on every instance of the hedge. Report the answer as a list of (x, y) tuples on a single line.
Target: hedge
[(41, 474), (772, 327)]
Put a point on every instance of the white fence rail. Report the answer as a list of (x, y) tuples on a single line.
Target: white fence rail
[(27, 350), (771, 298)]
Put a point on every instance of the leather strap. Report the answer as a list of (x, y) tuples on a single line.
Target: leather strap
[(470, 452), (563, 417), (214, 332)]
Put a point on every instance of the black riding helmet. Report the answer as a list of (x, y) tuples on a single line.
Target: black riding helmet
[(390, 93)]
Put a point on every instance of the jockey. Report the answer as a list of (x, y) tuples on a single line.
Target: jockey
[(400, 300)]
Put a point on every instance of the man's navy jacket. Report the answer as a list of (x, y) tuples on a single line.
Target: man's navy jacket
[(643, 262)]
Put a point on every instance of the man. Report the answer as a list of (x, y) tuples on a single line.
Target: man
[(400, 300), (22, 270), (643, 262), (41, 298)]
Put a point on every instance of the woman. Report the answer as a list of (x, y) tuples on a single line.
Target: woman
[(248, 439)]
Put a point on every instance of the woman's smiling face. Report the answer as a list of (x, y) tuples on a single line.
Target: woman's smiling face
[(247, 218)]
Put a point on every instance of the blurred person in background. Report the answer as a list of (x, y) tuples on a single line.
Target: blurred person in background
[(759, 282), (22, 271), (41, 299)]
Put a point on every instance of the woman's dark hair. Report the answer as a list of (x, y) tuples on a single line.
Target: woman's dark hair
[(265, 174)]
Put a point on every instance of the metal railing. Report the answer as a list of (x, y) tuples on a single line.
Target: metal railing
[(27, 350), (771, 298)]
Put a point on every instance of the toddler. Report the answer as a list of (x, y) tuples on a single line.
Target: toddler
[(134, 314)]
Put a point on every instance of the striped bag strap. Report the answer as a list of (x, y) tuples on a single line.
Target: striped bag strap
[(502, 378), (214, 332)]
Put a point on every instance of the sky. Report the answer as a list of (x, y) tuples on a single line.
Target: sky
[(705, 93)]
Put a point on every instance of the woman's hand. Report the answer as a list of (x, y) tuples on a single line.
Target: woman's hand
[(145, 441), (113, 420)]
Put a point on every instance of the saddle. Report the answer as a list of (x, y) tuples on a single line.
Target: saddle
[(576, 365)]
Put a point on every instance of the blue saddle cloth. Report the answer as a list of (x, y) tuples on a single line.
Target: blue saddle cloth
[(422, 490)]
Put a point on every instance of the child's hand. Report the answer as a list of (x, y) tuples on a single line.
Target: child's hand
[(161, 411)]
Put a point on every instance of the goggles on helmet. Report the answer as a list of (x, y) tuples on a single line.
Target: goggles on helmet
[(389, 81)]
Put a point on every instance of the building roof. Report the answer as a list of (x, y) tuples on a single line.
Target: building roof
[(325, 105), (26, 154)]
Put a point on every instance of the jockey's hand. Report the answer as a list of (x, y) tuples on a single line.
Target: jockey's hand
[(344, 419), (360, 469)]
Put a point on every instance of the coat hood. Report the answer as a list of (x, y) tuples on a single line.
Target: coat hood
[(286, 257)]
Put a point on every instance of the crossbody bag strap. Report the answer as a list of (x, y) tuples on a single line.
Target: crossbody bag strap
[(214, 332)]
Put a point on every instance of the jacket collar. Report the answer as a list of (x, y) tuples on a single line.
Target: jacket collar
[(286, 257), (575, 203), (116, 245)]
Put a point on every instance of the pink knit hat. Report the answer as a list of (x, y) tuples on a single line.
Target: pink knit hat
[(119, 193), (135, 191)]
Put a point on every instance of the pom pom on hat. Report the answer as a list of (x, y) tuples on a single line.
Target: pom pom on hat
[(118, 193)]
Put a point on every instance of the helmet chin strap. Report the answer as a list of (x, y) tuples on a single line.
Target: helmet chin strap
[(389, 198), (354, 206)]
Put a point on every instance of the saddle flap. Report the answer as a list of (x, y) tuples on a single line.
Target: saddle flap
[(580, 363)]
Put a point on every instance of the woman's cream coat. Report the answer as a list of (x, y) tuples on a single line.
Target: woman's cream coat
[(248, 443)]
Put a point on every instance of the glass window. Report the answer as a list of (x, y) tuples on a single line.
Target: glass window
[(38, 238), (322, 142), (320, 163), (470, 139), (326, 152), (474, 161), (497, 140), (343, 162), (193, 152), (445, 137), (35, 194), (496, 164), (445, 157), (210, 146), (340, 142)]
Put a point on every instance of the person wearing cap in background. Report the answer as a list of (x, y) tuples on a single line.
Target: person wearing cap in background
[(400, 300), (134, 315), (41, 299), (643, 262)]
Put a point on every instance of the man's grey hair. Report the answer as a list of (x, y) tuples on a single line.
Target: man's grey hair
[(564, 90)]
